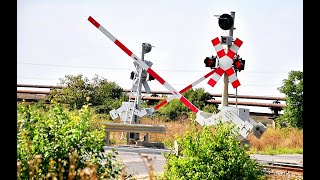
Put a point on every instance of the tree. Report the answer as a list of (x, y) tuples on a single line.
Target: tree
[(99, 92), (106, 95), (74, 92), (293, 89)]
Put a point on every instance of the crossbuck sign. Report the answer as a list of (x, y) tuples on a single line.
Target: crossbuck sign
[(225, 63)]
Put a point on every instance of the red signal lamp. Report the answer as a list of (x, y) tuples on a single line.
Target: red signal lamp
[(238, 64), (210, 62)]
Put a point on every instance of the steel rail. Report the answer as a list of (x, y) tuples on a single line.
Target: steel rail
[(283, 170)]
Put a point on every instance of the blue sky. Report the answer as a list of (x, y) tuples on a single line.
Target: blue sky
[(54, 39)]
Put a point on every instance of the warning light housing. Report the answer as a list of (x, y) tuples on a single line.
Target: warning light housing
[(225, 21), (210, 62), (238, 63), (132, 75), (150, 77)]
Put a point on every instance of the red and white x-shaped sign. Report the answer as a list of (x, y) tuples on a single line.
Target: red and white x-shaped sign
[(225, 63)]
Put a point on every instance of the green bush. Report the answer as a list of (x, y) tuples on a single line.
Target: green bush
[(176, 108), (54, 133), (198, 97), (210, 108), (211, 154), (106, 95), (173, 109)]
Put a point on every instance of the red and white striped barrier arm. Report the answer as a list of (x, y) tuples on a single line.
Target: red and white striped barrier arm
[(144, 66), (225, 62), (164, 102)]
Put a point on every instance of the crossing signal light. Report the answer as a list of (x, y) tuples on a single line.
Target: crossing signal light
[(132, 75), (238, 64), (150, 78), (210, 62), (225, 21)]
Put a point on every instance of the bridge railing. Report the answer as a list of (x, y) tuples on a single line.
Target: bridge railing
[(154, 96)]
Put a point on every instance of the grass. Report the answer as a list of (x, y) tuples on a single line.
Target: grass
[(175, 129), (278, 141), (57, 170)]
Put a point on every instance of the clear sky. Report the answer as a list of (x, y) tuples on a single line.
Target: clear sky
[(54, 39)]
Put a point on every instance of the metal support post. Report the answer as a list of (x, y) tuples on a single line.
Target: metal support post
[(225, 94)]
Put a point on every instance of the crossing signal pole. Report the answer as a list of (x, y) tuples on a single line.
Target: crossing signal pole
[(226, 22)]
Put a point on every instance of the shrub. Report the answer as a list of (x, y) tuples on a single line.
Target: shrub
[(54, 133), (173, 109), (176, 108), (198, 97), (211, 154), (106, 95)]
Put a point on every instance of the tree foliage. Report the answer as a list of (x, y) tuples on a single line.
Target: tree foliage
[(293, 89), (54, 133), (173, 109), (79, 90), (74, 92), (106, 95), (211, 154), (198, 97)]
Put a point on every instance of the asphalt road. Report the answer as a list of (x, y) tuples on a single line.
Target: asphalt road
[(138, 164), (136, 159)]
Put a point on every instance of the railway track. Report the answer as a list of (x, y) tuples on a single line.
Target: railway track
[(283, 170)]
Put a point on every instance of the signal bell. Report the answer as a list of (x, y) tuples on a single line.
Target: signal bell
[(210, 62), (225, 21)]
